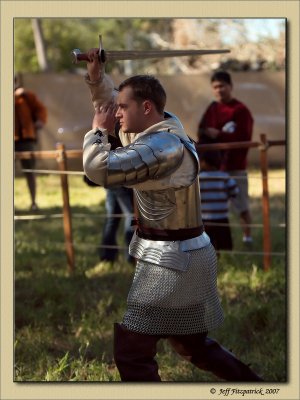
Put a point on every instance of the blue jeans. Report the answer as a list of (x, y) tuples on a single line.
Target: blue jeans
[(118, 201)]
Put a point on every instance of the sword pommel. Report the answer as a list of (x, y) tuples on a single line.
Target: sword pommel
[(78, 56)]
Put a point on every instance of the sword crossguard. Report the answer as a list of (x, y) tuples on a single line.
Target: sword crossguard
[(102, 56)]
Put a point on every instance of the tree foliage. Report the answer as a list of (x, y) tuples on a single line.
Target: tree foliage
[(62, 35)]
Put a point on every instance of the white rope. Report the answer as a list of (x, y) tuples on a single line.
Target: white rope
[(33, 217), (50, 216), (88, 245), (102, 215), (239, 177), (53, 171), (57, 172), (280, 225), (54, 216), (256, 253)]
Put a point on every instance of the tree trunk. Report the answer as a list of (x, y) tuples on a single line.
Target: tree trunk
[(40, 44)]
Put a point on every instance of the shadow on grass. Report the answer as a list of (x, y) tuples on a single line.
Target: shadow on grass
[(55, 315)]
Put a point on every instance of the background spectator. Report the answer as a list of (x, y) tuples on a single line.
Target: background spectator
[(228, 120), (30, 117), (216, 189), (118, 201)]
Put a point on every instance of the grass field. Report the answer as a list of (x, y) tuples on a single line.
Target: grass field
[(64, 324)]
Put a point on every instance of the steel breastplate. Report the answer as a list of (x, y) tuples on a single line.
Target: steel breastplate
[(170, 209)]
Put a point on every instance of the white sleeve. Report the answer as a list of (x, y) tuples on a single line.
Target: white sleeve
[(95, 155), (102, 90)]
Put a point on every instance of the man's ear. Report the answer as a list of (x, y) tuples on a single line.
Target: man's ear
[(147, 106)]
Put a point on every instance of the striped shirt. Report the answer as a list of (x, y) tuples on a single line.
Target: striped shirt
[(216, 189)]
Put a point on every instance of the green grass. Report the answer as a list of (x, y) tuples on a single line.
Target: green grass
[(64, 323)]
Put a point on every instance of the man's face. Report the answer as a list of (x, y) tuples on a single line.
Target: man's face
[(130, 113), (222, 91)]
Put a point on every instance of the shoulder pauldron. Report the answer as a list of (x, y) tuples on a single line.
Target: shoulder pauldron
[(152, 156)]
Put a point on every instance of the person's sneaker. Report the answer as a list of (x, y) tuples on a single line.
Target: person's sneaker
[(34, 207), (98, 270), (248, 241)]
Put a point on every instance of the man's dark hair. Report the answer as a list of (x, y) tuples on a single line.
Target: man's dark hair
[(221, 76), (147, 87)]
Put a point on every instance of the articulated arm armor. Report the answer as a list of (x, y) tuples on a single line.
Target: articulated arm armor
[(169, 219), (153, 156)]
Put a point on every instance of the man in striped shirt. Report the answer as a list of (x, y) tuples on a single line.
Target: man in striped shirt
[(216, 188)]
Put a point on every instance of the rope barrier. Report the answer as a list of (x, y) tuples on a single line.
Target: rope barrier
[(49, 216), (53, 171), (88, 245), (33, 217), (61, 156), (81, 173), (54, 216), (281, 225), (256, 253)]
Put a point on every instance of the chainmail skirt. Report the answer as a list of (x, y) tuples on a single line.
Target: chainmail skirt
[(167, 301)]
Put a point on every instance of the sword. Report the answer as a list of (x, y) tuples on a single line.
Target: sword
[(118, 55)]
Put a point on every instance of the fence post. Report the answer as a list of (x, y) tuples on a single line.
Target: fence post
[(62, 165), (265, 201)]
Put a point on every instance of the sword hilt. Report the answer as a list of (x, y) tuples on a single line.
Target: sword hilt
[(78, 56)]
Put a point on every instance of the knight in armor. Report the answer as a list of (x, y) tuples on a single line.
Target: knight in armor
[(174, 293)]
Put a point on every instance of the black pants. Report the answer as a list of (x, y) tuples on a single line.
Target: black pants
[(135, 356), (220, 235)]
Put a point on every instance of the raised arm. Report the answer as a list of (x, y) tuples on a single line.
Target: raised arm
[(100, 84), (152, 156)]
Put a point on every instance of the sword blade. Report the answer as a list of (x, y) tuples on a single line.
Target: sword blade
[(139, 55)]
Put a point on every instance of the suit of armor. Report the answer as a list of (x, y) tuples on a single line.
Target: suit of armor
[(174, 290), (161, 165)]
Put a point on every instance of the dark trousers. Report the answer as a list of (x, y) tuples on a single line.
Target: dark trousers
[(220, 235), (135, 356)]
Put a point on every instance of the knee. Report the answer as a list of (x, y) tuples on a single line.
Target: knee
[(130, 344), (134, 355)]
